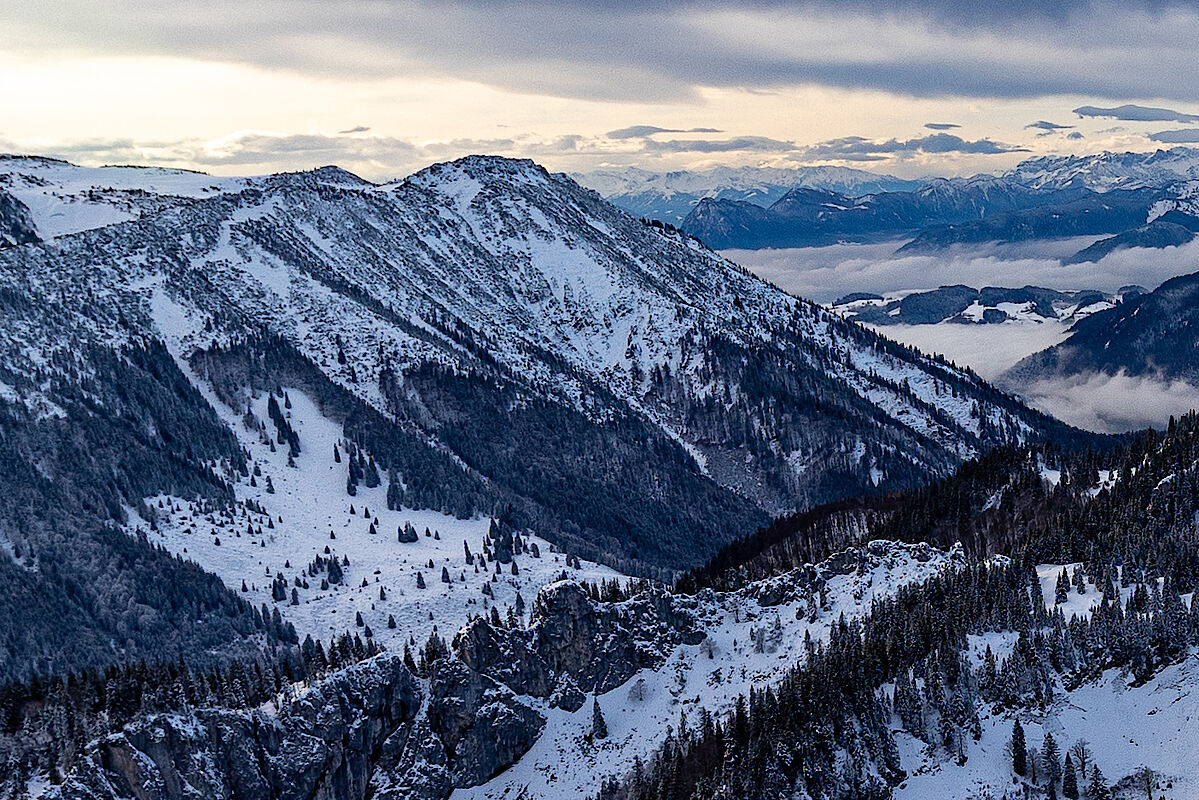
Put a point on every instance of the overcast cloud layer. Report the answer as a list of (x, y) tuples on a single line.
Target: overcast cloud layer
[(1135, 113), (619, 49)]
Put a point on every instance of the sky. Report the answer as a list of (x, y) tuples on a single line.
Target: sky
[(384, 87)]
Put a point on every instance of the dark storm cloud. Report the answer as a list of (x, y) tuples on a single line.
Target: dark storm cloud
[(1179, 136), (659, 50), (641, 131), (257, 148), (941, 126), (858, 148), (958, 13), (1134, 113), (761, 144)]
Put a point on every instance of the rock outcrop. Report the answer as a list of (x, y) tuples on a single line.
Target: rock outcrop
[(16, 223), (597, 646), (321, 746), (482, 725), (471, 729)]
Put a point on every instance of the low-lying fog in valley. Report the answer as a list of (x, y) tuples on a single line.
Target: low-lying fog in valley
[(1097, 402)]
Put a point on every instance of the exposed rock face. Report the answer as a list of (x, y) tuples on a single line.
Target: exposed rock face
[(365, 730), (567, 695), (598, 646), (16, 224), (413, 765), (322, 746), (482, 725), (471, 730)]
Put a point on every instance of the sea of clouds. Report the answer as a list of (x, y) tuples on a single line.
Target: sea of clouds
[(825, 273), (1108, 403)]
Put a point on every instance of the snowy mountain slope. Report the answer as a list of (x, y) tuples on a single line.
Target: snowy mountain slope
[(750, 640), (670, 196), (64, 198), (277, 533), (1127, 725), (476, 300), (1098, 651), (1152, 721), (749, 635), (1106, 171), (1151, 334), (304, 516), (722, 645)]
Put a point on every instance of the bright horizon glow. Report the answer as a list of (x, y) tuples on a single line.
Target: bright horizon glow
[(384, 88)]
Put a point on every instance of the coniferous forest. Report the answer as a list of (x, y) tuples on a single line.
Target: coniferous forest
[(825, 730)]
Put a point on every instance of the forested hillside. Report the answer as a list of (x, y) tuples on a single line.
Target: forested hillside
[(947, 663)]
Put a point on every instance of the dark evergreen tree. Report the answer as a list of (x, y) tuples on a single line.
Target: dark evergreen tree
[(1062, 592), (1019, 750), (1098, 789), (599, 727), (1051, 760), (1069, 780)]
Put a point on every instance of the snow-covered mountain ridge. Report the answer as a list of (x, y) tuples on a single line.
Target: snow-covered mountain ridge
[(991, 305), (491, 292), (670, 196), (1109, 170)]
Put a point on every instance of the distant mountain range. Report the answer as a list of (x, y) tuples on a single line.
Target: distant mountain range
[(671, 196), (1109, 194), (1106, 171), (805, 217)]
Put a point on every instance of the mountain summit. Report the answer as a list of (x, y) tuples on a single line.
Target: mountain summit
[(613, 380)]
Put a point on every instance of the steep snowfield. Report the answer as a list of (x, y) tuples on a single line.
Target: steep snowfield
[(308, 503), (64, 198)]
